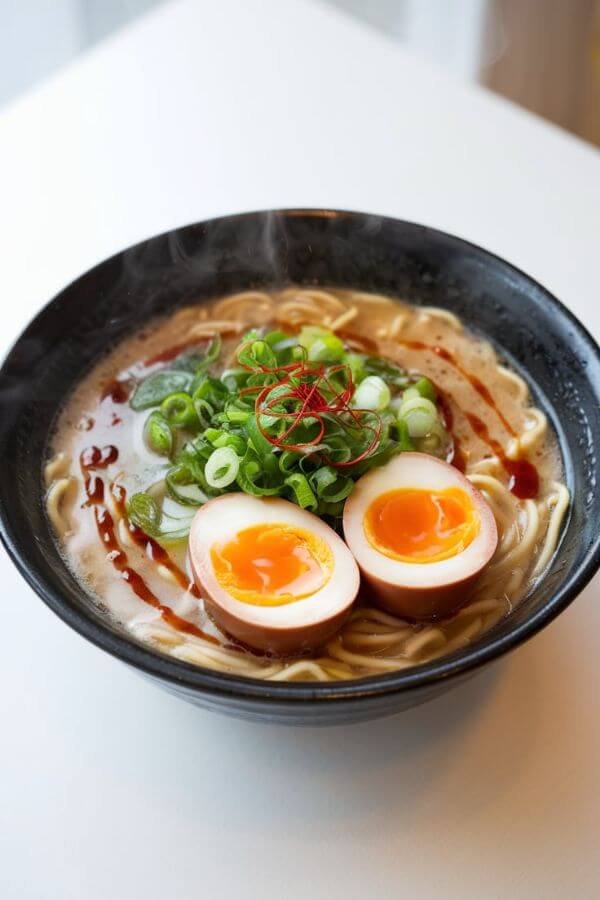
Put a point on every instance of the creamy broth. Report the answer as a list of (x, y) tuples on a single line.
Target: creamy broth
[(500, 441)]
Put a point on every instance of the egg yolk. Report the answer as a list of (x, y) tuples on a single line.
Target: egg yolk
[(272, 564), (417, 525)]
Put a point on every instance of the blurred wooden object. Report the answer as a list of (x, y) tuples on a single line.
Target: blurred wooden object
[(545, 55)]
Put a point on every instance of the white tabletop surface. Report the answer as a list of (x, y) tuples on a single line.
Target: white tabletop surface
[(110, 788)]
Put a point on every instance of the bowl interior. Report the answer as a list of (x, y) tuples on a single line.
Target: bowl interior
[(531, 329)]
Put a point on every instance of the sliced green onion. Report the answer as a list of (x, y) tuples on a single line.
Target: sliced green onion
[(309, 461), (322, 479), (327, 349), (426, 389), (251, 471), (303, 493), (222, 438), (372, 393), (286, 347), (196, 466), (321, 344), (420, 416), (209, 395), (280, 341), (329, 486), (237, 411), (262, 446), (234, 379), (309, 334), (337, 449), (275, 338), (334, 510), (182, 487), (356, 364), (155, 388), (204, 411), (204, 387), (222, 467), (157, 434), (213, 434), (405, 443), (178, 409), (253, 335), (288, 461), (212, 352), (388, 418), (257, 354), (392, 374), (290, 451), (410, 393), (196, 360), (144, 512), (435, 442), (417, 402)]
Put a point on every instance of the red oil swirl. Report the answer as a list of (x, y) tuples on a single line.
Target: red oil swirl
[(94, 490), (99, 458), (459, 460), (115, 391), (475, 382), (153, 549), (93, 458), (524, 479), (106, 529)]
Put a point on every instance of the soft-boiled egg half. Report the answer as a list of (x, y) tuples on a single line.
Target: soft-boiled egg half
[(421, 535), (274, 576)]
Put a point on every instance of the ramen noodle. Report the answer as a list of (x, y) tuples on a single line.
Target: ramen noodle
[(100, 458)]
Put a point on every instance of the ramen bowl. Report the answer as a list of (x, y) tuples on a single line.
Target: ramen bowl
[(538, 337)]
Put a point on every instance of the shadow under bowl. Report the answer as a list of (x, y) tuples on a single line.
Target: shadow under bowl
[(533, 331)]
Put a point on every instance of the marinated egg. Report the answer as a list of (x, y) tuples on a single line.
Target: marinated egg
[(421, 535), (273, 575)]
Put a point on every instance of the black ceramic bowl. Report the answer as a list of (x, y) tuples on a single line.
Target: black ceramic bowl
[(537, 335)]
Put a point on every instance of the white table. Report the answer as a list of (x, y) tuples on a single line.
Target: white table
[(110, 788)]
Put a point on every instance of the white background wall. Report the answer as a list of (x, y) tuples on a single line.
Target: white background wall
[(38, 36)]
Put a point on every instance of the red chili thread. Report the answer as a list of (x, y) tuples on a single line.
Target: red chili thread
[(312, 393)]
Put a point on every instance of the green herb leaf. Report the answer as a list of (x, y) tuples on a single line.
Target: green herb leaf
[(155, 388)]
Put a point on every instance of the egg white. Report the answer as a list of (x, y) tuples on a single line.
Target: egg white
[(417, 470), (221, 519)]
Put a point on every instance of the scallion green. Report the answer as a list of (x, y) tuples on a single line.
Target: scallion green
[(222, 467), (157, 434), (372, 393)]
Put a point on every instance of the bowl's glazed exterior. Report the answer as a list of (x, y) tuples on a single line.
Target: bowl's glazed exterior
[(534, 332)]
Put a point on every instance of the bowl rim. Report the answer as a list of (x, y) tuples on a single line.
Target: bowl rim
[(196, 679)]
